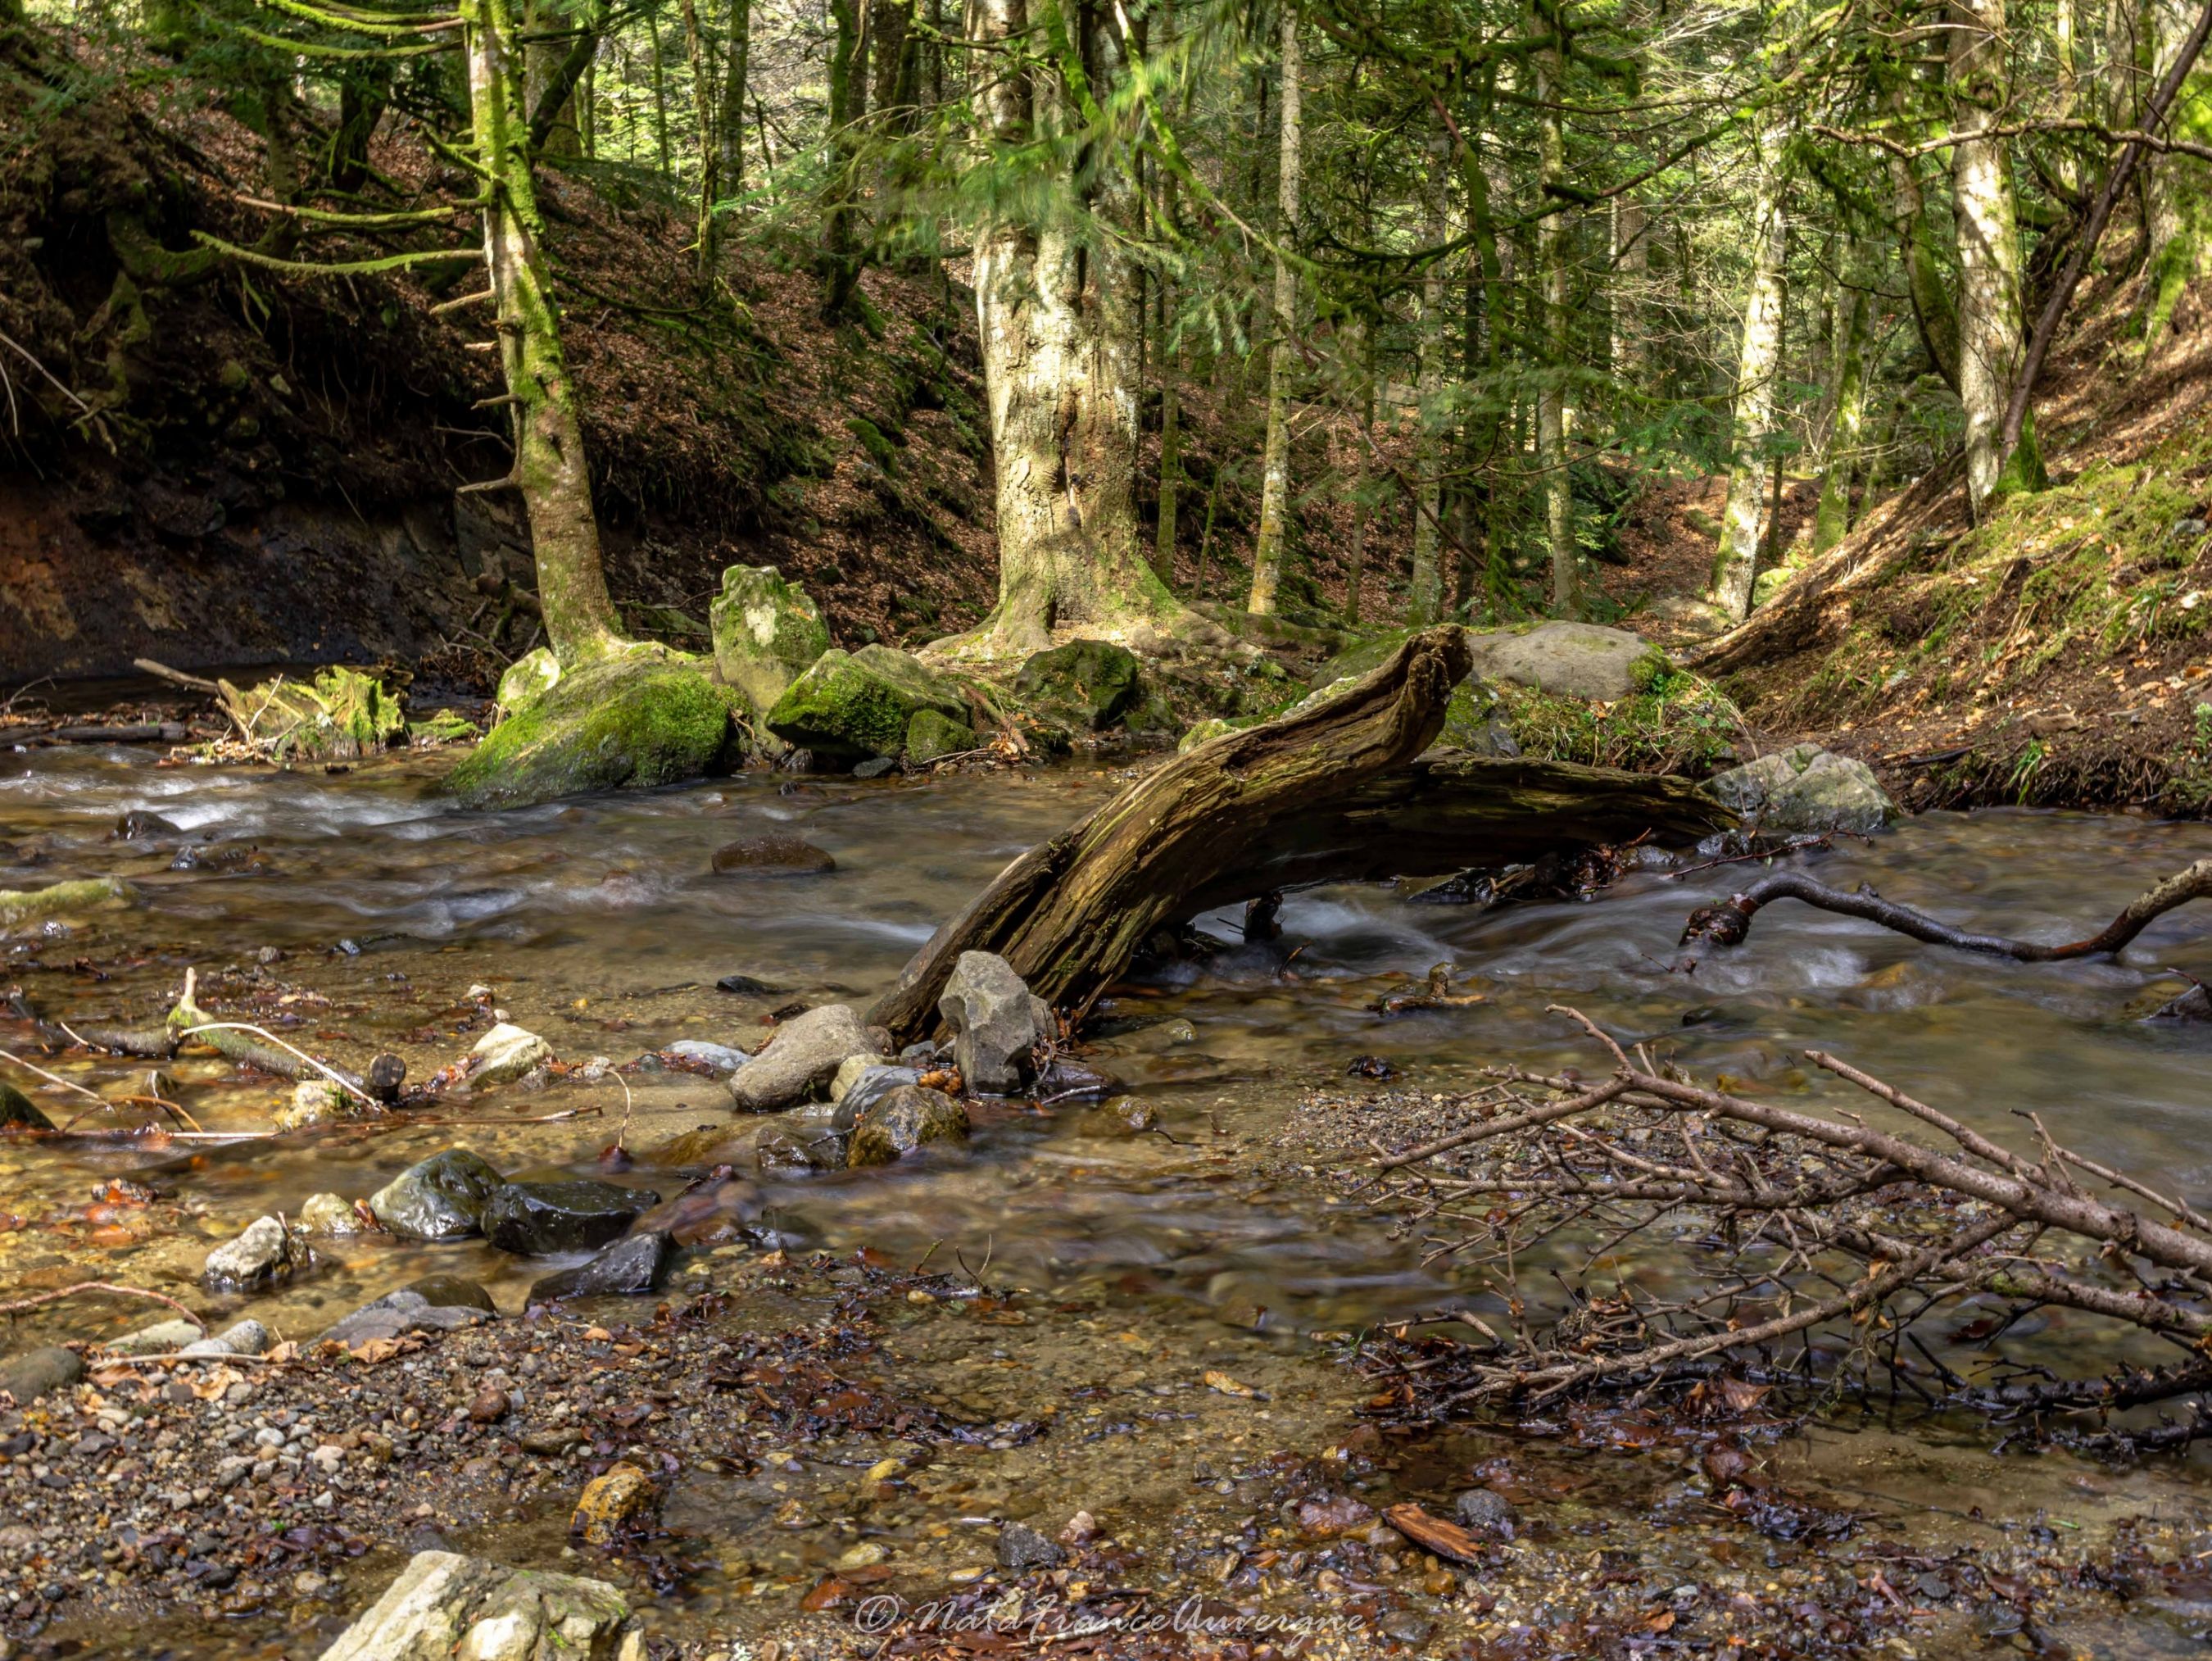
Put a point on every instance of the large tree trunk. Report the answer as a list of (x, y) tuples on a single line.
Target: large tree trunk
[(1759, 363), (1333, 792), (549, 468), (1275, 471), (2173, 188), (1992, 328), (1058, 311)]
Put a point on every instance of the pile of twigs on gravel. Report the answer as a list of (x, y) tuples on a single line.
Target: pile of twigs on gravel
[(1709, 1235)]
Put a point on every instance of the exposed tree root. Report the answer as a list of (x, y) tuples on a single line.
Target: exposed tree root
[(1727, 923)]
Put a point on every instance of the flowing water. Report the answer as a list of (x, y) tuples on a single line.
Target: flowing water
[(357, 912)]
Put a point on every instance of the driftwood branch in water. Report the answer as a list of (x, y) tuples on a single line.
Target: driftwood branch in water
[(1850, 1241), (1727, 923), (1335, 792)]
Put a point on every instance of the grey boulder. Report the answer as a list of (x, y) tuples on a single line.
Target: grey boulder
[(1569, 660), (36, 1372), (404, 1310), (996, 1022), (800, 1059), (629, 1267), (445, 1606), (266, 1253), (1805, 788)]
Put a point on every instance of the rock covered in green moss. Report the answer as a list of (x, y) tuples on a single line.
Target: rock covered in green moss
[(527, 679), (768, 632), (1087, 684), (82, 894), (635, 720), (1206, 731), (851, 705), (1569, 660), (446, 726), (930, 736)]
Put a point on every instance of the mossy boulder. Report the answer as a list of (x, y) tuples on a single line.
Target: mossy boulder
[(1570, 660), (631, 721), (768, 632), (1087, 684), (930, 736), (851, 705), (1360, 658), (527, 679), (1206, 731)]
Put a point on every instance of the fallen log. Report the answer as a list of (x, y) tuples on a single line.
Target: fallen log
[(1329, 792)]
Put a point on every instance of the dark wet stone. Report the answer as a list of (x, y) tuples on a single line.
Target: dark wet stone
[(534, 1218), (385, 1073), (19, 1112), (772, 856), (139, 826), (1021, 1547), (874, 768), (783, 1152), (1484, 1511), (749, 986), (871, 1087), (439, 1198), (452, 1292), (35, 1372), (629, 1267)]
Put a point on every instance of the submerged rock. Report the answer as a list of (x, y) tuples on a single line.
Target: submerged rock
[(1805, 788), (243, 1338), (407, 1310), (905, 1119), (996, 1022), (1087, 683), (1021, 1547), (1485, 1511), (851, 705), (536, 1219), (630, 1268), (453, 1292), (264, 1254), (507, 1053), (1570, 660), (772, 856), (439, 1198), (37, 1372), (314, 1101), (642, 718), (793, 1153), (800, 1059), (869, 1085), (157, 1339), (724, 1058), (613, 1503), (19, 1112), (445, 1607), (768, 632), (329, 1213)]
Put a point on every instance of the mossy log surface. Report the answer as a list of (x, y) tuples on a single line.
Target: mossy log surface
[(1333, 791)]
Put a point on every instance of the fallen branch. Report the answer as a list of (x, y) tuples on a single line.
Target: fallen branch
[(56, 1296), (1727, 923), (236, 1039)]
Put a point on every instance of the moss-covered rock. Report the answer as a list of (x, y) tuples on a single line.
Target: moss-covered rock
[(1206, 731), (1087, 684), (447, 727), (1361, 657), (930, 736), (852, 705), (527, 679), (632, 721), (768, 632), (1569, 660), (19, 906)]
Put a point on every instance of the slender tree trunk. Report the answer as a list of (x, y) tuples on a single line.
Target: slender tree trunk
[(736, 65), (1275, 469), (1058, 317), (1425, 594), (2067, 84), (1833, 518), (1992, 328), (2174, 186), (1163, 544), (710, 148), (1743, 522), (1632, 260), (1355, 576), (1551, 394), (549, 465), (848, 80)]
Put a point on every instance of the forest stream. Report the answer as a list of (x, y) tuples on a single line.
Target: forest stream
[(1112, 1295)]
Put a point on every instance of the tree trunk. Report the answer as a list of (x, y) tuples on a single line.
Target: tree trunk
[(1355, 576), (1058, 315), (1552, 330), (659, 96), (2067, 85), (1164, 542), (710, 148), (1743, 523), (2173, 187), (1833, 518), (1631, 258), (1275, 472), (848, 80), (735, 68), (1992, 328), (550, 466), (1333, 792), (1425, 594)]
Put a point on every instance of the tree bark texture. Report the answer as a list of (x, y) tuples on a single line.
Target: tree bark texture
[(1833, 518), (1275, 465), (1759, 364), (1332, 793), (1552, 332)]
